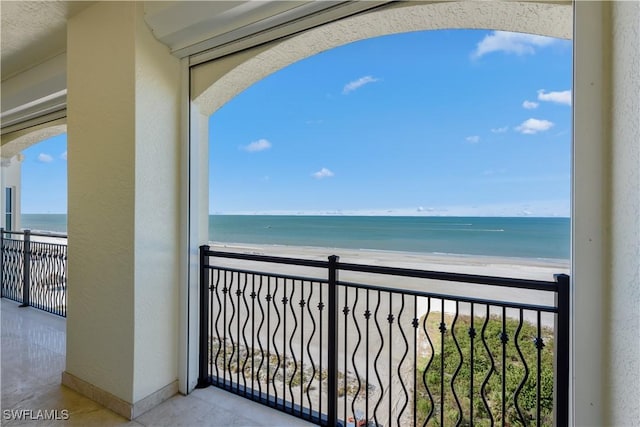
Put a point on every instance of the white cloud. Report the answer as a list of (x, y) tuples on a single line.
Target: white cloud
[(563, 97), (500, 130), (63, 156), (259, 145), (322, 173), (357, 84), (45, 158), (473, 139), (530, 105), (507, 42), (533, 126)]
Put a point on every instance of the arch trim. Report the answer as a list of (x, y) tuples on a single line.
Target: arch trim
[(217, 82)]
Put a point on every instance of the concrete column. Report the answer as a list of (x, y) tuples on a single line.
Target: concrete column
[(589, 254), (123, 212), (622, 344), (606, 214)]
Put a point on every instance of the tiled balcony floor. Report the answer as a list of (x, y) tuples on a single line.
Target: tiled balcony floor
[(33, 358)]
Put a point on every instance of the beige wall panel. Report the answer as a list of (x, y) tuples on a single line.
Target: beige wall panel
[(157, 213), (101, 184), (623, 321)]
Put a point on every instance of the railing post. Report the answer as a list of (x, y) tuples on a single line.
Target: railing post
[(332, 347), (562, 353), (26, 268), (203, 357)]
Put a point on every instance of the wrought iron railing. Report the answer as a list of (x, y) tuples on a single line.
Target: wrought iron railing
[(34, 271), (409, 347)]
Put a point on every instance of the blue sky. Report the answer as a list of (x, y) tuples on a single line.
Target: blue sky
[(449, 122), (44, 177)]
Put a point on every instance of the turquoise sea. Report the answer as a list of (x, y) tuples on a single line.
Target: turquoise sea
[(44, 222), (511, 237)]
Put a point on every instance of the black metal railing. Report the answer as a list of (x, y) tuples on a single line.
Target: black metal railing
[(34, 271), (432, 349)]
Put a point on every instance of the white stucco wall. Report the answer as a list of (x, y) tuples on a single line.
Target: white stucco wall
[(123, 124), (606, 215), (623, 361), (157, 212), (101, 201)]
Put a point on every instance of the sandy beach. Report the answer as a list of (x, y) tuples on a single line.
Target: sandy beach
[(520, 268), (524, 268)]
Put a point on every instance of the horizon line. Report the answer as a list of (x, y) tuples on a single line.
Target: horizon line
[(364, 213)]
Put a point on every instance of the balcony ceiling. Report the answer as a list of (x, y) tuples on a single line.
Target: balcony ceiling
[(33, 32)]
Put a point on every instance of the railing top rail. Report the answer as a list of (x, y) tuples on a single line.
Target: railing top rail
[(403, 291), (451, 297), (538, 285), (267, 274), (36, 233), (268, 259)]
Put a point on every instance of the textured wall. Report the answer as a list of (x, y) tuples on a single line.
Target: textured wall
[(624, 315), (101, 201), (157, 212), (124, 215)]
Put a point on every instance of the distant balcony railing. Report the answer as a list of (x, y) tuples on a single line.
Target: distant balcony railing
[(390, 346), (33, 269)]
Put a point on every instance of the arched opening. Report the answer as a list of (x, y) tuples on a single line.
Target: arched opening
[(34, 178), (34, 220), (239, 72), (215, 83), (44, 186)]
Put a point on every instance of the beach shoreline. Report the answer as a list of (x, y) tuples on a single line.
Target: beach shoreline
[(486, 265), (489, 266)]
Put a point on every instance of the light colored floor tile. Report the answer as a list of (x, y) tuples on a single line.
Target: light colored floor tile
[(33, 358), (182, 411), (245, 412)]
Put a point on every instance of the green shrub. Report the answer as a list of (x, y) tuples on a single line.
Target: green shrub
[(487, 381)]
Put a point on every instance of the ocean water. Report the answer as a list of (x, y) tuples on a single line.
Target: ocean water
[(546, 238), (523, 237), (44, 222)]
